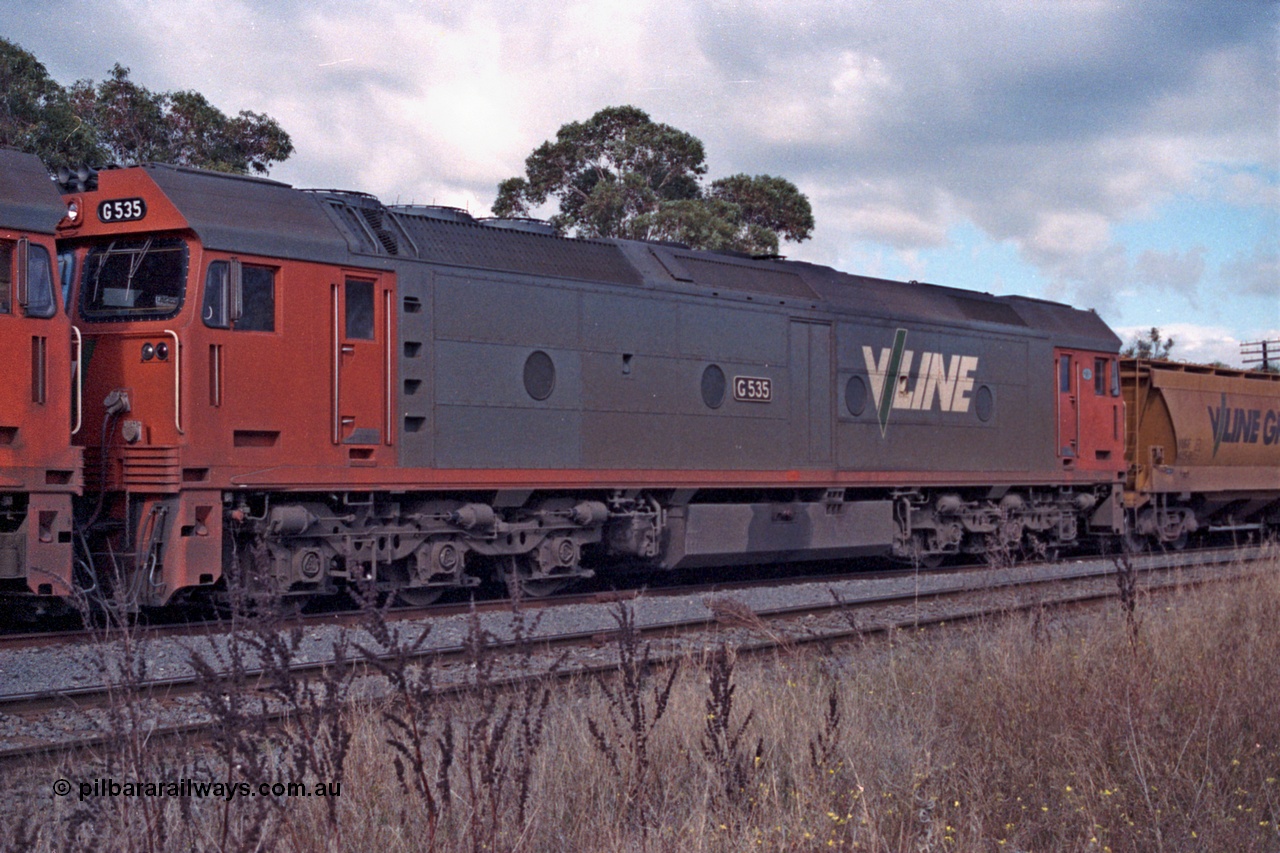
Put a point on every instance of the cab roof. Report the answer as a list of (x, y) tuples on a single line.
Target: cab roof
[(29, 201)]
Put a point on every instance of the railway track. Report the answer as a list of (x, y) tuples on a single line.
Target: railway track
[(564, 638), (350, 613)]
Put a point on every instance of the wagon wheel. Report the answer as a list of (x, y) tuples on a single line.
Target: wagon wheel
[(418, 596), (517, 575), (1135, 543), (1178, 543)]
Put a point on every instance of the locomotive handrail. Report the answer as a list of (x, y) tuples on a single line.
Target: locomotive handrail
[(177, 381), (388, 348), (77, 386), (337, 366)]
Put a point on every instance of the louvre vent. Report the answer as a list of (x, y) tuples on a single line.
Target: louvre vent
[(377, 224)]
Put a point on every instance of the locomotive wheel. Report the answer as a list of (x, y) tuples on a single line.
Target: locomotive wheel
[(1041, 549), (517, 576), (418, 596)]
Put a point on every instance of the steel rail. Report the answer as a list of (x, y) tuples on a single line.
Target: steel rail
[(170, 688)]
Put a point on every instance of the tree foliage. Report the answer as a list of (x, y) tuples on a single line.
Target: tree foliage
[(36, 114), (620, 174), (119, 121), (1151, 345)]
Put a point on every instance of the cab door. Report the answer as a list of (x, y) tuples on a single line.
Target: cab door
[(362, 340), (1068, 406)]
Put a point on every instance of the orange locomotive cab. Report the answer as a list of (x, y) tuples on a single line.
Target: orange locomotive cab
[(197, 326), (39, 470), (1090, 411)]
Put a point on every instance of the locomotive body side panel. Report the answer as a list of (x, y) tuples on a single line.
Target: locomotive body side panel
[(903, 388), (415, 365)]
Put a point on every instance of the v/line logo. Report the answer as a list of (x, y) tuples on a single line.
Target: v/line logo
[(939, 381)]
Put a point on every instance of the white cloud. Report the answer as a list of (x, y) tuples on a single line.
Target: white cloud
[(1172, 271), (1201, 344), (1044, 125), (1257, 273)]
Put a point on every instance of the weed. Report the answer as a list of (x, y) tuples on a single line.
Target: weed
[(721, 742), (824, 743), (632, 716), (1127, 584)]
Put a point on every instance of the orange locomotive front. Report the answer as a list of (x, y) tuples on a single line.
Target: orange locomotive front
[(196, 375), (39, 470)]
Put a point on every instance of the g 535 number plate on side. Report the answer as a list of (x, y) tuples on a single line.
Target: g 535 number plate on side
[(753, 389)]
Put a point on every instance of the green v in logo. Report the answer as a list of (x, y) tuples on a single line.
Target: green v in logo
[(883, 375)]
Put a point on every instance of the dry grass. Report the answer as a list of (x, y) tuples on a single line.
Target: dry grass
[(1038, 733)]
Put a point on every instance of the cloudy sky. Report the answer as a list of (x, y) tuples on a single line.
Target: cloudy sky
[(1121, 156)]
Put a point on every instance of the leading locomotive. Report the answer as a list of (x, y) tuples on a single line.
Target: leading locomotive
[(296, 390)]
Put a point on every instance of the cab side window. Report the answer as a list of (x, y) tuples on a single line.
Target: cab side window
[(216, 292), (66, 276), (259, 309), (360, 309), (254, 311), (6, 276), (40, 299)]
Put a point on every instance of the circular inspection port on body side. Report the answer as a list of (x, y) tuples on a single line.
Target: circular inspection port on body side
[(984, 403), (713, 386), (855, 395), (539, 375)]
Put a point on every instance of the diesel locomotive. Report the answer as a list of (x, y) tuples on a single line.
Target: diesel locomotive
[(39, 466), (300, 389), (295, 390)]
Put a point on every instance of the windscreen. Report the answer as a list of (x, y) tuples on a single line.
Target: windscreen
[(134, 279)]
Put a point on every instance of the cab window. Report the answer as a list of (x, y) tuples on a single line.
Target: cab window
[(259, 310), (256, 311), (66, 276), (134, 279), (40, 299), (6, 276), (360, 309)]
